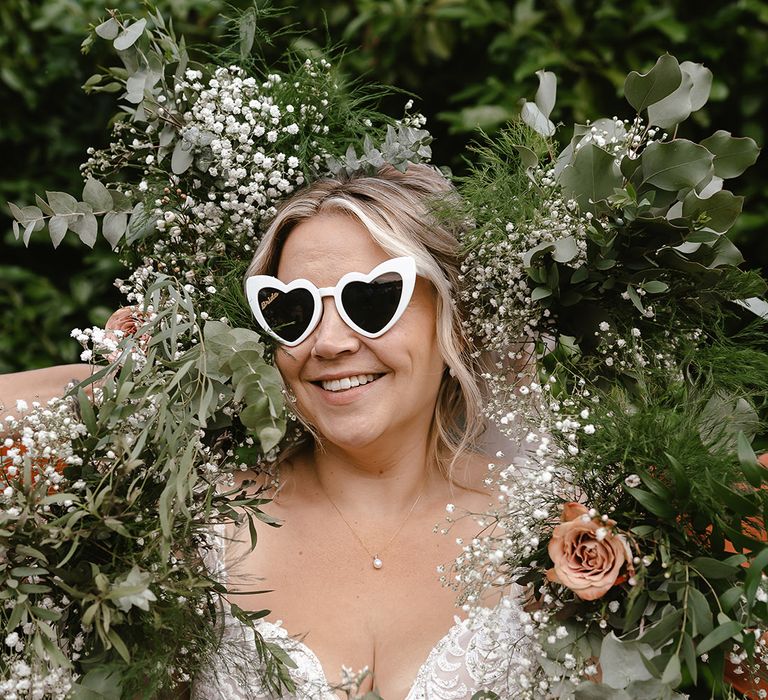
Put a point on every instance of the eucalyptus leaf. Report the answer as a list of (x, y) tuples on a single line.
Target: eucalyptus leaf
[(114, 226), (675, 164), (108, 30), (97, 195), (702, 83), (247, 32), (182, 157), (675, 107), (757, 306), (721, 209), (62, 203), (644, 89), (536, 119), (57, 227), (732, 155), (591, 177), (547, 92), (86, 227), (130, 35), (621, 661)]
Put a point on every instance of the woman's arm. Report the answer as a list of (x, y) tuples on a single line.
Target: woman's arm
[(38, 385)]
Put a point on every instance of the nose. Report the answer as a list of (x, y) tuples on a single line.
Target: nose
[(333, 337)]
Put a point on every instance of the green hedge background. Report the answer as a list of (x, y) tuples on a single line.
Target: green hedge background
[(469, 62)]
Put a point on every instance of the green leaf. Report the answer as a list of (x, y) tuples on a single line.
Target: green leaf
[(119, 645), (114, 226), (748, 460), (672, 672), (730, 597), (644, 89), (755, 574), (62, 203), (591, 176), (97, 195), (713, 568), (689, 654), (57, 228), (718, 635), (86, 227), (181, 158), (701, 613), (653, 504), (663, 629), (540, 293), (732, 155), (655, 286), (538, 121), (547, 92), (130, 35), (676, 164), (722, 209), (108, 30)]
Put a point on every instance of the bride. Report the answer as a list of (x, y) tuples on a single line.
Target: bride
[(356, 283)]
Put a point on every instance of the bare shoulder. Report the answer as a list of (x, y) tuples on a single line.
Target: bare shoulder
[(473, 480)]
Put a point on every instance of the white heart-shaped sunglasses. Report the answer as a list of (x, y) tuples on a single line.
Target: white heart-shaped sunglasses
[(369, 304)]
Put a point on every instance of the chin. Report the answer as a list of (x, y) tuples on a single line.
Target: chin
[(350, 435)]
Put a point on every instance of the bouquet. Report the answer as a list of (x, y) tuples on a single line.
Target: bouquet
[(629, 356)]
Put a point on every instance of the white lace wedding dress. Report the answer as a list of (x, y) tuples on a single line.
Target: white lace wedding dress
[(487, 652)]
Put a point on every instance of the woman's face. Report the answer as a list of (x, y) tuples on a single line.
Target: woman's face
[(405, 361)]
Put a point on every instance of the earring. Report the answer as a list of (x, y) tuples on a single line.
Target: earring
[(289, 395)]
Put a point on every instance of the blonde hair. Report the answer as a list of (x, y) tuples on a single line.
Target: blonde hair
[(397, 210)]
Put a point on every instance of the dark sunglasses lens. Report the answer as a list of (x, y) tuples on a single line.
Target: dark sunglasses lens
[(287, 313), (371, 305)]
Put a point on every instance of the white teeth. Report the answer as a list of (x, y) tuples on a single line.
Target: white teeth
[(347, 382)]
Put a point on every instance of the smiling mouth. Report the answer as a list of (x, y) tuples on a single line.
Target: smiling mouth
[(346, 383)]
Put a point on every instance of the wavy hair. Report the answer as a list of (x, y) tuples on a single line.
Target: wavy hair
[(398, 211)]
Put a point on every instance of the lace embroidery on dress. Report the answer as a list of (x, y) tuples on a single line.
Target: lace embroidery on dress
[(486, 652)]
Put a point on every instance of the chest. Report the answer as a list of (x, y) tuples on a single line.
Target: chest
[(325, 590)]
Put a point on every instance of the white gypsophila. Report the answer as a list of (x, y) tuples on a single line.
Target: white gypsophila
[(530, 492), (39, 681), (42, 436), (245, 141), (497, 290)]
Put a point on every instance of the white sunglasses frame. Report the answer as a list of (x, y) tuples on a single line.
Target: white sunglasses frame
[(404, 266)]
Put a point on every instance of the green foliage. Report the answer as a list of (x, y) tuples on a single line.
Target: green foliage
[(122, 534)]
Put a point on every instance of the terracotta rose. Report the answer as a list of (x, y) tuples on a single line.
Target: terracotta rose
[(126, 319), (583, 561)]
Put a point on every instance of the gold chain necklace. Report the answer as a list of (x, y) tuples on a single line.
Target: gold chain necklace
[(375, 558)]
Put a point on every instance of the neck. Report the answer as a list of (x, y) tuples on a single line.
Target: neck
[(377, 484)]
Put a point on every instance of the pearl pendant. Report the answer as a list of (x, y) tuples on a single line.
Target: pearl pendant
[(377, 563)]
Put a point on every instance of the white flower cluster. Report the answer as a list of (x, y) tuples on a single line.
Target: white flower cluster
[(620, 137), (503, 310), (24, 682), (43, 437), (246, 137)]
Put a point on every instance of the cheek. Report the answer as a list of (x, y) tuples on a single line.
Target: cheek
[(288, 363)]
